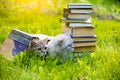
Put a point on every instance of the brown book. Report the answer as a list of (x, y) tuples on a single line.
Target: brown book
[(81, 44), (84, 38), (84, 49), (82, 31)]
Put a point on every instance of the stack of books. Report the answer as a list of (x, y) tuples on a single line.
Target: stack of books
[(77, 18)]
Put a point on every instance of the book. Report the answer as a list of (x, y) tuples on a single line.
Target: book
[(81, 11), (83, 38), (81, 44), (84, 49), (79, 31), (84, 41), (75, 20), (77, 24), (88, 11), (78, 5), (77, 15), (82, 31), (20, 36)]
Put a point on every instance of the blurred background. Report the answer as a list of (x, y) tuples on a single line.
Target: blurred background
[(32, 15), (102, 8)]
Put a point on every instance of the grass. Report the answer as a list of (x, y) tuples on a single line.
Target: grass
[(103, 64)]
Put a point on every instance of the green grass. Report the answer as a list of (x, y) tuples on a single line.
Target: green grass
[(103, 64)]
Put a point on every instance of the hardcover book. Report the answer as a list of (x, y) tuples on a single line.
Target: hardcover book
[(80, 11), (84, 31), (83, 38), (77, 15), (81, 44), (77, 24), (75, 20), (84, 49), (88, 11), (78, 5)]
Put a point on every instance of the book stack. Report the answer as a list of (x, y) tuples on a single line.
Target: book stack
[(77, 18)]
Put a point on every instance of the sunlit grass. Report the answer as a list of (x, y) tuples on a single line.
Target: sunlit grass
[(103, 64)]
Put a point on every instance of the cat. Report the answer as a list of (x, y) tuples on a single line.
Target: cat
[(38, 46), (60, 46)]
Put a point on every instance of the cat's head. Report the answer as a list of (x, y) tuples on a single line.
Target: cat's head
[(39, 46), (66, 43)]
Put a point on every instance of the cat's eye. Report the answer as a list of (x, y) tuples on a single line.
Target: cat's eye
[(45, 47), (70, 45), (39, 48)]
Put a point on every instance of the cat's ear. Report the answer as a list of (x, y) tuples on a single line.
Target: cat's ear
[(31, 44), (61, 42), (46, 40), (35, 38)]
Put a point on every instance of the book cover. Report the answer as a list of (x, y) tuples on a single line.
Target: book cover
[(20, 36)]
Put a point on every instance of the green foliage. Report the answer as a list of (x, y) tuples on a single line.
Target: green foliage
[(103, 64)]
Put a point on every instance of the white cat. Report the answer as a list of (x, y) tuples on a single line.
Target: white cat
[(61, 46)]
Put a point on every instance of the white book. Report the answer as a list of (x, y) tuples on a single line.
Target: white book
[(74, 25), (78, 5)]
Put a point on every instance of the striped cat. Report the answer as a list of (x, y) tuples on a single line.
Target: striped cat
[(38, 46)]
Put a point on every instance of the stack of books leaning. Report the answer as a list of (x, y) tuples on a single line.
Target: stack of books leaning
[(77, 18)]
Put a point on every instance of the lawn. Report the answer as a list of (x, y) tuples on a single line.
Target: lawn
[(103, 64)]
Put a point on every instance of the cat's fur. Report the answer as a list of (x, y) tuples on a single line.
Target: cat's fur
[(60, 46)]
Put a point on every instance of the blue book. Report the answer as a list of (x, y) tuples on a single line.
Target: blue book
[(79, 6)]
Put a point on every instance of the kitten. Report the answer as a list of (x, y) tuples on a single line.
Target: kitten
[(38, 46), (60, 46)]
